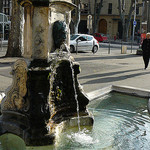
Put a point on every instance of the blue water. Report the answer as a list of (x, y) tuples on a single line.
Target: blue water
[(121, 122)]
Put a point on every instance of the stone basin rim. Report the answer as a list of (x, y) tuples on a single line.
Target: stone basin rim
[(121, 89), (112, 88)]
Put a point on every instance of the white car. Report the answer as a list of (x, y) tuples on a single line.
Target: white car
[(83, 42)]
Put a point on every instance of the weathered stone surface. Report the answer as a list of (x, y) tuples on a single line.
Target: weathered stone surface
[(25, 110), (35, 2), (67, 3), (65, 92), (59, 33), (40, 33), (14, 100), (43, 95), (28, 9)]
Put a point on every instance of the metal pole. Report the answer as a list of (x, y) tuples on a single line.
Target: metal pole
[(77, 47), (89, 25), (1, 45), (134, 25), (121, 45), (3, 26), (109, 47), (131, 46), (148, 16)]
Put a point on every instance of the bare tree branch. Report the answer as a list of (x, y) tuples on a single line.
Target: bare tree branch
[(77, 14), (126, 23), (97, 15)]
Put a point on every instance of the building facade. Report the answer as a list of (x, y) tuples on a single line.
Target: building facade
[(109, 20), (6, 7), (5, 16)]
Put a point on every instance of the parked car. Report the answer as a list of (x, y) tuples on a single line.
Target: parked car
[(100, 37), (83, 42)]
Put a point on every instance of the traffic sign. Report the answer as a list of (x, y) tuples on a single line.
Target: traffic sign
[(89, 21), (134, 23)]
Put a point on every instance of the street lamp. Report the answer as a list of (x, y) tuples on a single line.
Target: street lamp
[(148, 16)]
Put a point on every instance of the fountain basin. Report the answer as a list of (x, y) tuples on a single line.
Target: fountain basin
[(121, 121)]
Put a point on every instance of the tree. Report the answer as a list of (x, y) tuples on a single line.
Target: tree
[(98, 6), (126, 20), (77, 13), (16, 33)]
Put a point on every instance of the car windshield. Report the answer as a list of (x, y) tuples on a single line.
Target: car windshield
[(74, 36)]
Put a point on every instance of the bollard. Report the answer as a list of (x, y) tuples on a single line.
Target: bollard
[(1, 44), (131, 46), (121, 45), (109, 48), (124, 49), (77, 47)]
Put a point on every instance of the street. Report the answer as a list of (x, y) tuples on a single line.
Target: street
[(97, 70), (102, 69)]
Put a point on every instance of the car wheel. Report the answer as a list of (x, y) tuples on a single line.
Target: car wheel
[(95, 49), (71, 48)]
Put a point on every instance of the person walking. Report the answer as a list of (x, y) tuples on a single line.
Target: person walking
[(146, 50)]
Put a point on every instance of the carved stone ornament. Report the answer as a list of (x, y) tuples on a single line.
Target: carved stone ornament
[(67, 3), (35, 2), (59, 33), (15, 96)]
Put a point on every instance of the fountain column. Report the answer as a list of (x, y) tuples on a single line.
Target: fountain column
[(40, 32), (36, 28), (25, 110), (27, 30)]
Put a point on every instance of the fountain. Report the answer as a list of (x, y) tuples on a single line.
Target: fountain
[(45, 94), (45, 107)]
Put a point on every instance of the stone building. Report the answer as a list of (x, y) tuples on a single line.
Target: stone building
[(5, 16), (6, 7), (109, 21)]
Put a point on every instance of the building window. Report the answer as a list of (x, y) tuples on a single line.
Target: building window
[(84, 8), (7, 7), (110, 8), (137, 10)]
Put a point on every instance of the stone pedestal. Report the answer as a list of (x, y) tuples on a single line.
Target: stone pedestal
[(25, 110)]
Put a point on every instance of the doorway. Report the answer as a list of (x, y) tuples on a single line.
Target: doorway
[(103, 26)]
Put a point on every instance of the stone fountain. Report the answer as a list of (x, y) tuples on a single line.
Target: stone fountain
[(45, 92)]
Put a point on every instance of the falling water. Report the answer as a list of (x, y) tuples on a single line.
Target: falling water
[(76, 97)]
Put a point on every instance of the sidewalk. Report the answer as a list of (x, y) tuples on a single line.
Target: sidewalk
[(122, 42), (97, 70), (5, 69), (102, 70)]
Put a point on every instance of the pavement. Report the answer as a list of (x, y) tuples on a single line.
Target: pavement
[(97, 70)]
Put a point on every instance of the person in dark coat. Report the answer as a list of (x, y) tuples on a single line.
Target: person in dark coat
[(146, 50)]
